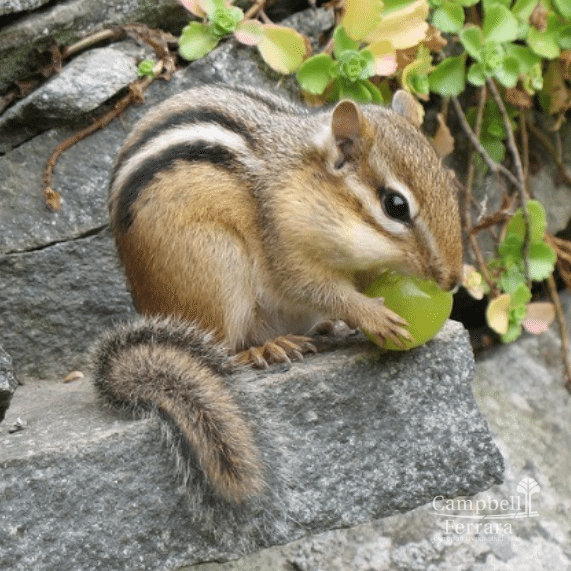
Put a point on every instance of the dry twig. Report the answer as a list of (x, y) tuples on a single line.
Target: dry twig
[(492, 165), (158, 40), (471, 163), (554, 295), (253, 10), (511, 140), (136, 89), (472, 235)]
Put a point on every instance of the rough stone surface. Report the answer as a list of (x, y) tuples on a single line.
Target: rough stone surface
[(56, 300), (66, 22), (519, 388), (360, 437), (14, 6), (548, 188), (83, 85), (8, 383)]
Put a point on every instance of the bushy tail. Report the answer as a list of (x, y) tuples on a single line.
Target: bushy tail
[(170, 367)]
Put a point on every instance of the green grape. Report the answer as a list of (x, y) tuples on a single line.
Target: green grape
[(420, 301)]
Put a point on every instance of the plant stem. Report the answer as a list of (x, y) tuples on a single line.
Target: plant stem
[(525, 148), (254, 9), (522, 187), (472, 237), (492, 165), (471, 164), (87, 42), (135, 93), (511, 140), (553, 293)]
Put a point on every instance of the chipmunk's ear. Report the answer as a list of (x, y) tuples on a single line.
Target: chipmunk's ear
[(407, 106), (346, 127)]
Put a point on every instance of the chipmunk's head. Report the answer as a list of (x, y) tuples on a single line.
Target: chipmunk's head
[(399, 202)]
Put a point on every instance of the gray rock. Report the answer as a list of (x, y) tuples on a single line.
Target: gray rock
[(8, 383), (519, 388), (65, 22), (81, 177), (56, 300), (14, 6), (358, 437), (548, 187), (94, 77), (84, 84)]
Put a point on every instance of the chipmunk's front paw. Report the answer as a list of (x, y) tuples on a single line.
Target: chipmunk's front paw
[(381, 323), (280, 350)]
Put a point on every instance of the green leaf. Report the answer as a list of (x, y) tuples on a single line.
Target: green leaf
[(316, 73), (449, 18), (370, 64), (342, 42), (196, 41), (495, 148), (477, 74), (419, 83), (282, 48), (564, 8), (544, 44), (355, 90), (500, 25), (511, 278), (393, 5), (492, 55), (493, 124), (415, 74), (508, 72), (521, 296), (224, 21), (541, 261), (510, 249), (449, 77), (522, 9), (467, 3), (564, 37), (361, 17), (210, 7), (524, 56), (472, 39), (488, 3), (146, 68), (374, 91), (532, 81), (354, 65), (517, 313), (537, 223), (513, 333)]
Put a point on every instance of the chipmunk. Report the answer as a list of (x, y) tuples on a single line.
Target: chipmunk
[(242, 220)]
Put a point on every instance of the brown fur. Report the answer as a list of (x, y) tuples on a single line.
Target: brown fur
[(167, 367), (255, 220)]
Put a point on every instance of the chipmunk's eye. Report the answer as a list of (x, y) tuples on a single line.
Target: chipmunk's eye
[(396, 206)]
